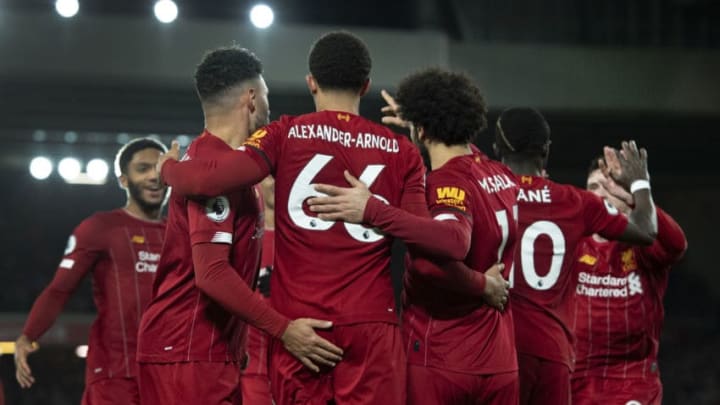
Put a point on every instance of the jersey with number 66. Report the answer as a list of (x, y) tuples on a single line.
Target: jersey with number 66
[(327, 270), (553, 218)]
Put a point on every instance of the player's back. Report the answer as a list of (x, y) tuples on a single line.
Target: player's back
[(128, 250), (182, 323), (553, 219), (334, 271), (454, 332)]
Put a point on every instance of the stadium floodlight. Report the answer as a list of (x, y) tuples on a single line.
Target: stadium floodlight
[(262, 16), (67, 8), (69, 168), (166, 11), (41, 168), (97, 169), (81, 351)]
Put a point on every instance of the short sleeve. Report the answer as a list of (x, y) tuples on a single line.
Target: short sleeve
[(211, 220), (601, 217), (265, 143)]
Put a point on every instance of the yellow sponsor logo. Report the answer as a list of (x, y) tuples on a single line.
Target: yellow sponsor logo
[(343, 117), (138, 239), (589, 260), (628, 261), (526, 179), (452, 193)]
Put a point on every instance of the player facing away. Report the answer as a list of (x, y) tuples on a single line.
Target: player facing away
[(254, 379), (460, 349), (327, 269), (619, 307), (552, 220), (191, 337), (120, 249)]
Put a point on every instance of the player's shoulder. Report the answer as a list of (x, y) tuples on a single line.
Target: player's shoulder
[(205, 144), (454, 171), (99, 222)]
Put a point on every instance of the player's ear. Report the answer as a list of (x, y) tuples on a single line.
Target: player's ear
[(311, 83), (251, 94), (365, 87), (123, 181)]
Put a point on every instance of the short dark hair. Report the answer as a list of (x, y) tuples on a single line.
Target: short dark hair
[(595, 164), (224, 68), (522, 131), (340, 61), (126, 153), (447, 105)]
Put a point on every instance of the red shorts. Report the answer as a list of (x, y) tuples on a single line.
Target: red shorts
[(112, 391), (543, 382), (622, 391), (372, 370), (433, 386), (255, 389), (193, 383)]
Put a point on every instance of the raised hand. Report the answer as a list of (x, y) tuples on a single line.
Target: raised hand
[(627, 165), (307, 346), (391, 112), (172, 154)]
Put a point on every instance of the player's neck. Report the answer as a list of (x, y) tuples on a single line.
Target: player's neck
[(523, 167), (269, 218), (440, 153), (231, 131), (337, 101), (135, 210)]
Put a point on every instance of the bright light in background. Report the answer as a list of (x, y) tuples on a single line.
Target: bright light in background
[(69, 168), (67, 8), (97, 169), (40, 168), (261, 16), (81, 351), (166, 11)]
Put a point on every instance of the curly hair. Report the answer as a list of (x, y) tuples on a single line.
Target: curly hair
[(522, 131), (340, 61), (447, 105), (224, 68), (126, 153)]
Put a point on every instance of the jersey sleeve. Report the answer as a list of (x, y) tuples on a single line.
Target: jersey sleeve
[(265, 143), (84, 248), (601, 217), (670, 244), (211, 220)]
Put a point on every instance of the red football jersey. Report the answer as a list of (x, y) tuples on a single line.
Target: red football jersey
[(453, 332), (619, 303), (182, 323), (257, 340), (122, 253), (327, 270), (553, 219)]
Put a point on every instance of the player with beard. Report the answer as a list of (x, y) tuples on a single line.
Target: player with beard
[(121, 250), (192, 336), (618, 306)]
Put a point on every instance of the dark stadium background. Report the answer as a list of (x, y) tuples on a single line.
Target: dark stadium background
[(600, 71)]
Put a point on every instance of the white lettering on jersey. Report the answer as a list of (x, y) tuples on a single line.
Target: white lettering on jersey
[(493, 184), (608, 286), (147, 262), (535, 196), (328, 133)]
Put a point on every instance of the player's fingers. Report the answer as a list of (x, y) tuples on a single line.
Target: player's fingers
[(318, 323), (390, 120), (352, 180), (643, 154), (388, 110), (317, 359), (329, 189), (326, 345), (388, 98), (326, 208), (309, 364), (336, 216), (326, 354)]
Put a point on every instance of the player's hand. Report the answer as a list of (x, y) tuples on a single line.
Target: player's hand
[(496, 287), (616, 191), (391, 112), (312, 350), (23, 348), (172, 154), (626, 165), (341, 203)]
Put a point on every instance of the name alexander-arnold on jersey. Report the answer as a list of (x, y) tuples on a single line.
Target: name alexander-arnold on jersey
[(328, 133)]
